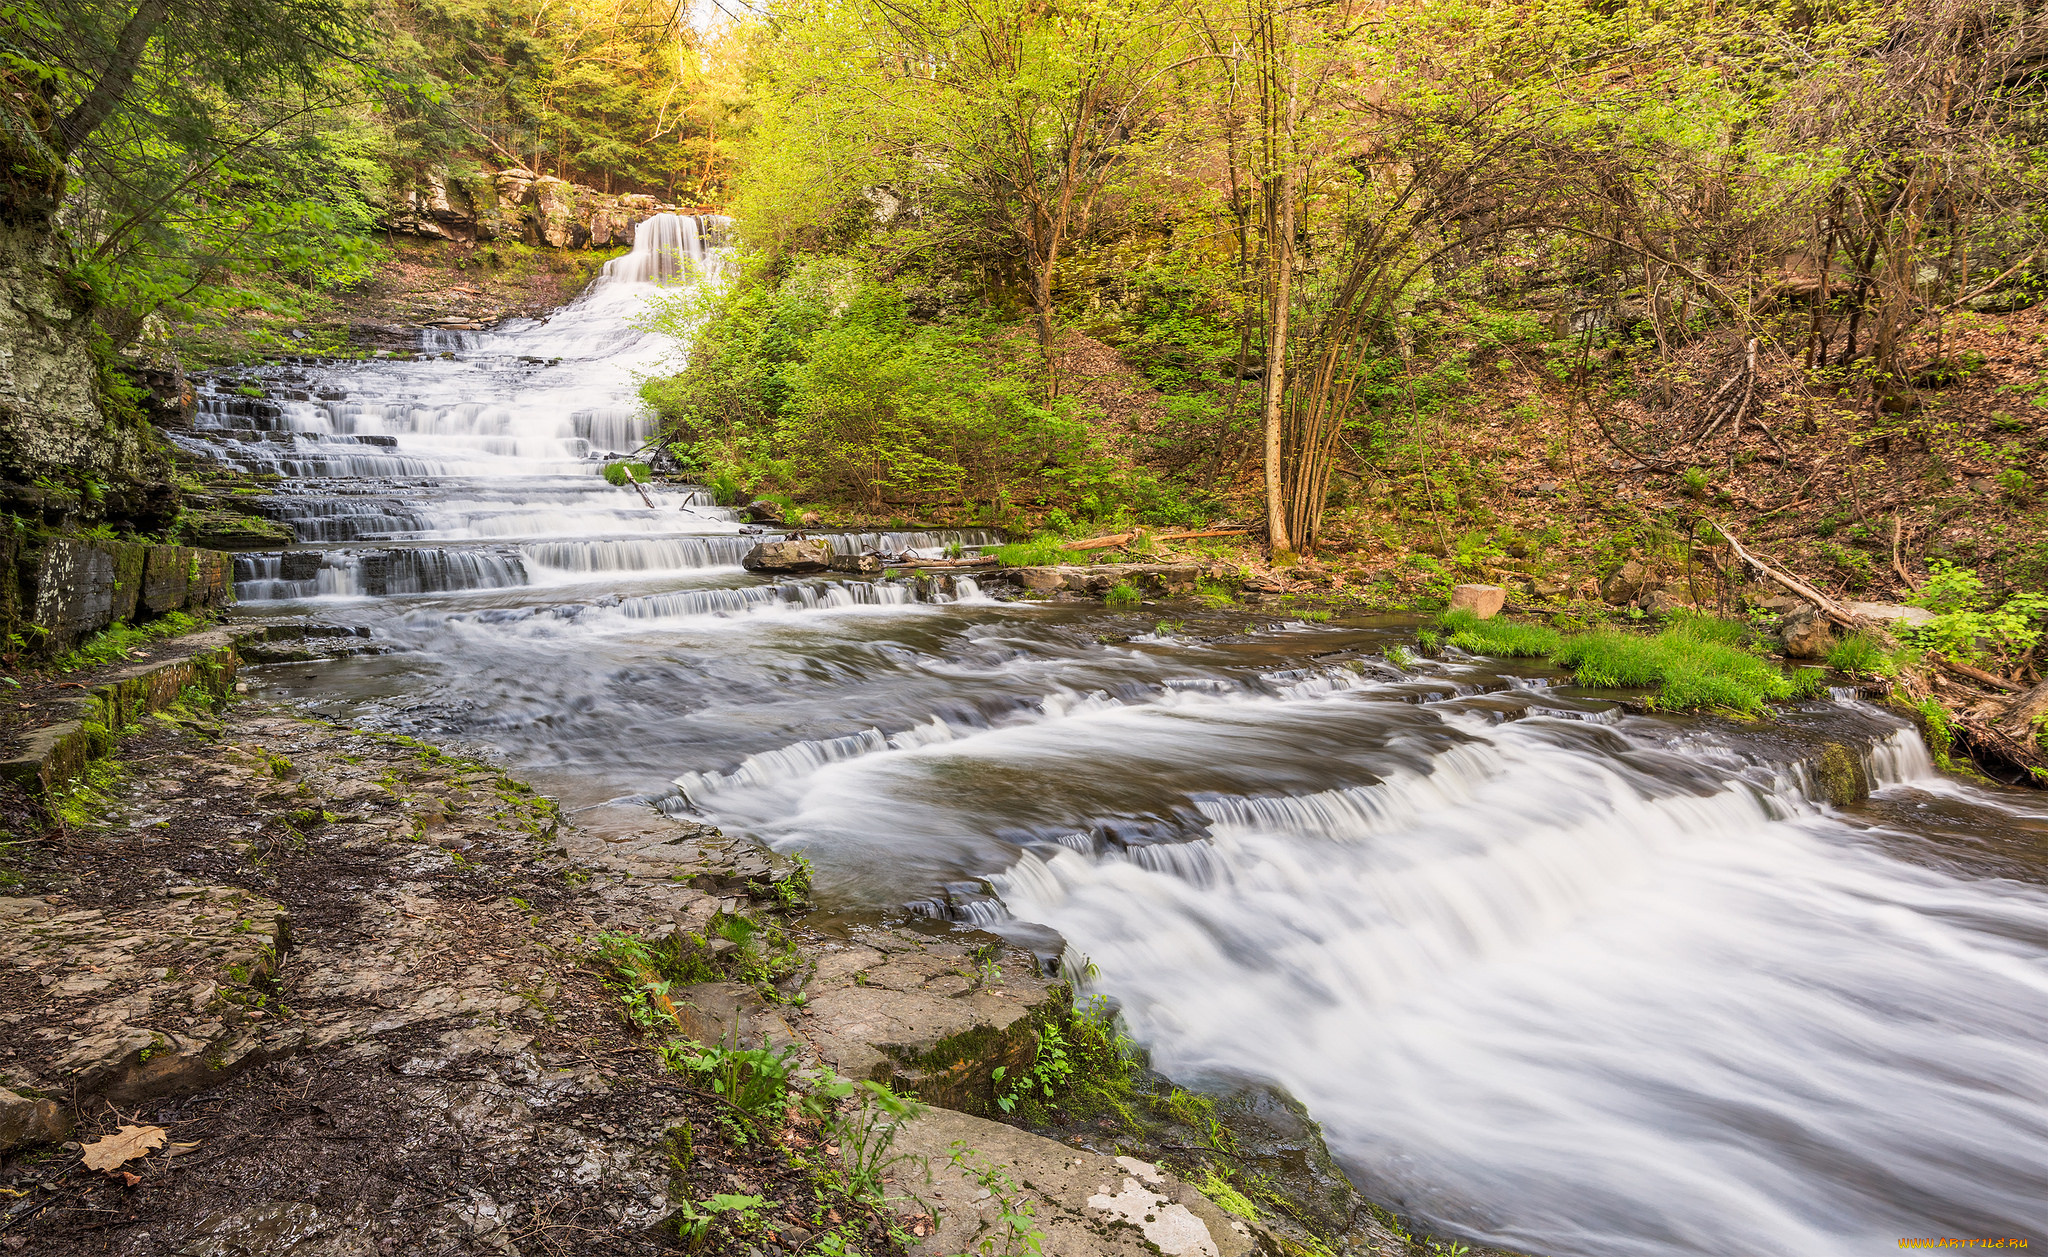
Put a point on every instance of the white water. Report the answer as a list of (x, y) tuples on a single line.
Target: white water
[(1548, 974)]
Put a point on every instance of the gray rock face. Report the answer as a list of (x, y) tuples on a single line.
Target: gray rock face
[(807, 555), (52, 424), (517, 204), (1484, 601), (1891, 613), (74, 591)]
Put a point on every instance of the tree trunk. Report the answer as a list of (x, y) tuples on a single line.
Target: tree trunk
[(107, 94), (1280, 256)]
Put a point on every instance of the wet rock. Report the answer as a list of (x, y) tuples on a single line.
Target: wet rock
[(928, 1017), (1161, 579), (804, 555), (1483, 601), (859, 564), (1087, 1204), (1806, 634), (1842, 779), (74, 586)]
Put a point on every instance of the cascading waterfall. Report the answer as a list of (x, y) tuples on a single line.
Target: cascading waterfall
[(1548, 973)]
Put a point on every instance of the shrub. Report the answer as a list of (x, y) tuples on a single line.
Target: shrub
[(1965, 626)]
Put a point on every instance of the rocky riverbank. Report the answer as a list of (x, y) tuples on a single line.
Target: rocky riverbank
[(362, 996)]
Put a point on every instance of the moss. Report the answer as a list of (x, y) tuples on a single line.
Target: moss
[(1841, 775)]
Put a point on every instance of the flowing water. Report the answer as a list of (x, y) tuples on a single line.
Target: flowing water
[(1549, 974)]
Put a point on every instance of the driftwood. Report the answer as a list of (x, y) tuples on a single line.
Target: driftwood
[(1827, 606), (1125, 538), (979, 560)]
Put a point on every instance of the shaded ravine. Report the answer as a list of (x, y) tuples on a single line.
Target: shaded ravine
[(1550, 974)]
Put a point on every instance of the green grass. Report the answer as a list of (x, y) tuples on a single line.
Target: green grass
[(1697, 662), (113, 644), (1040, 551), (623, 474), (1505, 638), (1122, 594), (1862, 652)]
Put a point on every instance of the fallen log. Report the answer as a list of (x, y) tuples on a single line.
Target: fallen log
[(979, 560), (1124, 538), (1827, 606), (1971, 673)]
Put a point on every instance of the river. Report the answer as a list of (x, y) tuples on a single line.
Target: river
[(1551, 975)]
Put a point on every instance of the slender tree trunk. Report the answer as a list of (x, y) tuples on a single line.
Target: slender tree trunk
[(1279, 128), (112, 88)]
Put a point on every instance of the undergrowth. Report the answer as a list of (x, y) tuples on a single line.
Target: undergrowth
[(113, 645)]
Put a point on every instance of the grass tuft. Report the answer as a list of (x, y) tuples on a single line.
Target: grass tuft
[(1044, 550), (1696, 662)]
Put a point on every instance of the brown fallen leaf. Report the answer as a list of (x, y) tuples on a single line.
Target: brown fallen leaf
[(123, 1146)]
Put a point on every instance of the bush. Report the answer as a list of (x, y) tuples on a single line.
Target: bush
[(1965, 626), (818, 381)]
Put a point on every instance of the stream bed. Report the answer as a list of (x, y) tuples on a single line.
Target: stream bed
[(1551, 975)]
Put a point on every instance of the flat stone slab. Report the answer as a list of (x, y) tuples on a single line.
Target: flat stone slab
[(970, 1171), (932, 1017)]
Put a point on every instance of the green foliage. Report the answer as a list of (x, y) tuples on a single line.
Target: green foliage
[(693, 1220), (623, 474), (1122, 596), (1500, 636), (819, 382), (1697, 661), (1862, 653), (1938, 732), (1043, 550), (1965, 625), (754, 1081), (112, 645)]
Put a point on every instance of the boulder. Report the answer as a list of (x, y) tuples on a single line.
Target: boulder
[(28, 1120), (762, 513), (858, 564), (789, 555), (1626, 584), (1806, 634), (1483, 601), (1666, 599), (1891, 613), (554, 203)]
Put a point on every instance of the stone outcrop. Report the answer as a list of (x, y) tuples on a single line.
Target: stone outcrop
[(808, 554), (1163, 579), (519, 205), (57, 590), (66, 450), (1085, 1203)]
